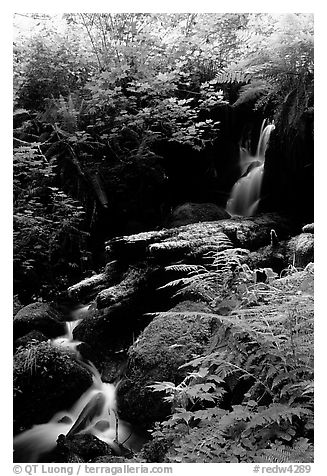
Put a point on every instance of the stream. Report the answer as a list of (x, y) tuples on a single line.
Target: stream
[(95, 412)]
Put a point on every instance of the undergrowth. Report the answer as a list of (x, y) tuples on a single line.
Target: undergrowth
[(249, 398)]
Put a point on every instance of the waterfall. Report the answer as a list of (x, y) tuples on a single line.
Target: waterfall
[(245, 194), (95, 412)]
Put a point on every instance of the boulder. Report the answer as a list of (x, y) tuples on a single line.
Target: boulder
[(39, 317), (196, 212), (166, 343), (26, 340), (84, 446), (301, 250), (111, 329), (46, 380)]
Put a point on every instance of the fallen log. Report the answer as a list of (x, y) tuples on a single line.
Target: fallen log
[(243, 232)]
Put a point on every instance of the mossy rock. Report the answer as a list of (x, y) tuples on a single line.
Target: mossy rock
[(39, 317), (108, 330), (30, 338), (196, 212), (84, 446), (167, 342), (301, 249), (46, 380)]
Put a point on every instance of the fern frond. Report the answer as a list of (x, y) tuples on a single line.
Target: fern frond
[(301, 452), (185, 268)]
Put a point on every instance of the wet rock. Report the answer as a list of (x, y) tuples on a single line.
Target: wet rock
[(113, 367), (167, 342), (196, 212), (46, 380), (110, 329), (39, 317), (84, 446)]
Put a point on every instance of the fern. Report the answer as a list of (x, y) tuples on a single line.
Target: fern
[(231, 76), (267, 342), (300, 452)]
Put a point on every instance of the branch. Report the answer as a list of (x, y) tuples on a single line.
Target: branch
[(92, 41)]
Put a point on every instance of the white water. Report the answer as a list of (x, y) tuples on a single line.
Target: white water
[(94, 412), (245, 194)]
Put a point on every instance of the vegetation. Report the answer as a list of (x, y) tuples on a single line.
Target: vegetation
[(118, 118), (250, 397), (96, 95)]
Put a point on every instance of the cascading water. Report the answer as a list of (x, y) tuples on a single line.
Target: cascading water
[(245, 194), (95, 412)]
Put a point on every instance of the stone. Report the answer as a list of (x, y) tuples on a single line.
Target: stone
[(85, 446), (301, 250), (39, 317), (110, 330), (27, 339), (166, 343), (46, 380)]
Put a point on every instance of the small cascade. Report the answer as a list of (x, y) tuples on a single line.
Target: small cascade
[(95, 412), (67, 341), (245, 194)]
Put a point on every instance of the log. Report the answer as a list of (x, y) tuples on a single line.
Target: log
[(243, 232), (136, 280), (86, 289)]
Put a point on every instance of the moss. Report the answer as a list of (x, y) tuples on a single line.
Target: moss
[(46, 380), (196, 212), (85, 446), (39, 317), (30, 338), (166, 344), (301, 249)]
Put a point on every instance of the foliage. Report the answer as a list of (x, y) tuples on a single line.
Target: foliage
[(281, 68), (94, 95), (46, 222), (262, 357), (104, 93), (49, 62)]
